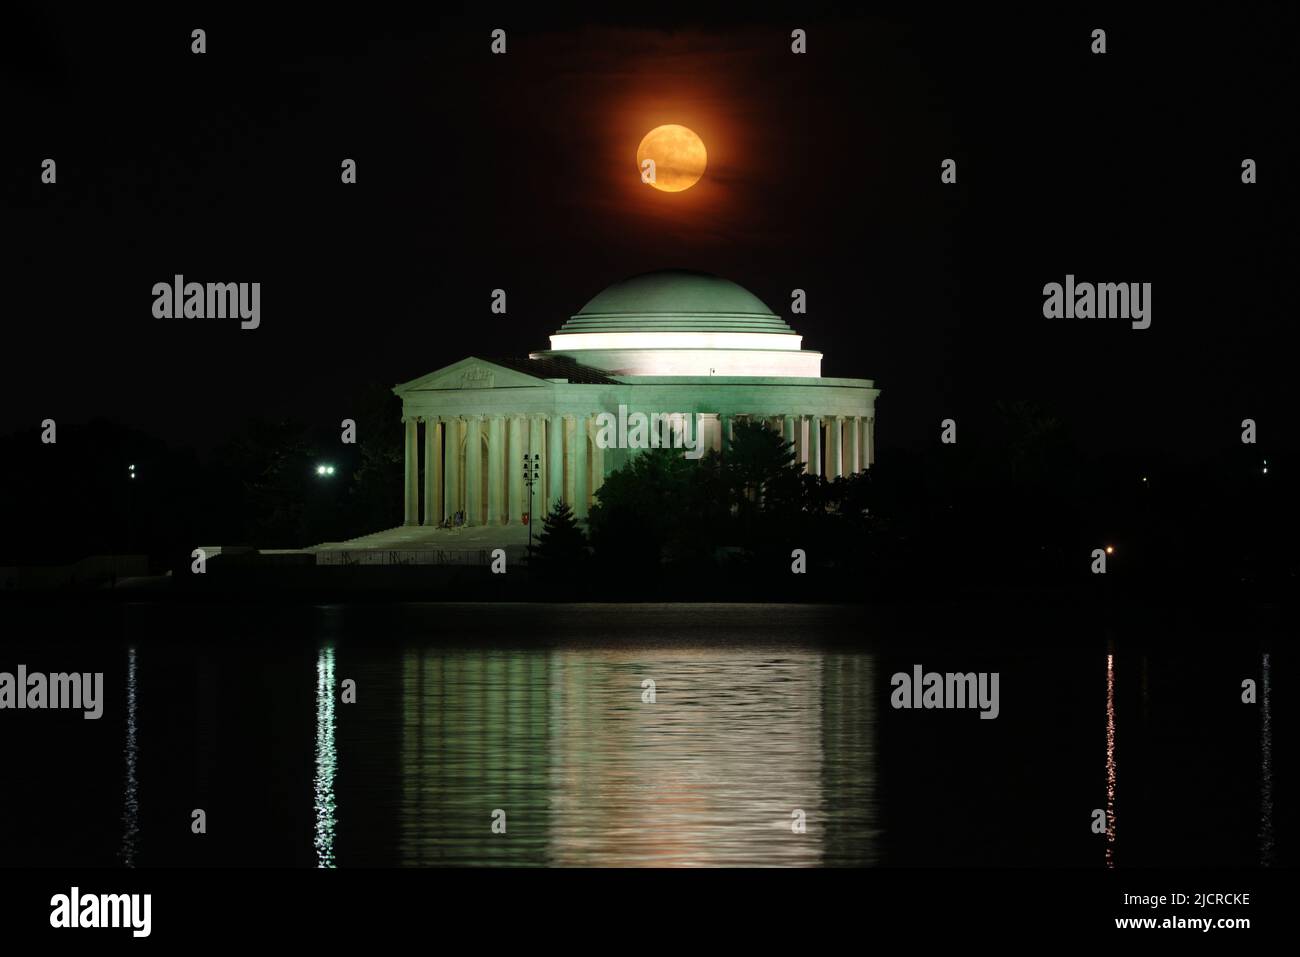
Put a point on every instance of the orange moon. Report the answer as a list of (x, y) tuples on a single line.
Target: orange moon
[(679, 157)]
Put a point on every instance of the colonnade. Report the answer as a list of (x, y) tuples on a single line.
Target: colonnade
[(830, 445), (474, 464), (474, 467)]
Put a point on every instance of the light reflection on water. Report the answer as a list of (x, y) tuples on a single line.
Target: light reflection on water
[(589, 774), (326, 758), (1265, 765), (1111, 775), (131, 785), (744, 731)]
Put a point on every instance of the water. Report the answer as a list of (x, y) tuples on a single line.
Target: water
[(540, 717)]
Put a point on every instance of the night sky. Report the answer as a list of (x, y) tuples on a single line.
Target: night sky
[(478, 171)]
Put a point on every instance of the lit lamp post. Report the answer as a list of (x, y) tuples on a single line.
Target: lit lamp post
[(532, 469), (130, 470), (325, 470)]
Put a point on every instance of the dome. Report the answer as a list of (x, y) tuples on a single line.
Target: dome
[(681, 323), (675, 301)]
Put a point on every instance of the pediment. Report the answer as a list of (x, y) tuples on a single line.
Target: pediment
[(471, 373)]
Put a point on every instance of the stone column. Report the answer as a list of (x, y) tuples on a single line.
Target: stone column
[(432, 470), (815, 445), (701, 434), (474, 470), (725, 421), (787, 433), (537, 444), (411, 501), (570, 465), (597, 465), (514, 470), (834, 446), (554, 463), (582, 471), (709, 427), (596, 468), (451, 471), (848, 440), (496, 476), (869, 426), (688, 430)]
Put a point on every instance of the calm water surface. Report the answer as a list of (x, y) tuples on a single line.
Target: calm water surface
[(761, 716)]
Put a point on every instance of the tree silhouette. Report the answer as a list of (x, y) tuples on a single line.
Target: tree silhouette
[(562, 547), (375, 495), (644, 506)]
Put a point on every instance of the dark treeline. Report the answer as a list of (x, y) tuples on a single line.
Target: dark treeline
[(75, 497), (1016, 503)]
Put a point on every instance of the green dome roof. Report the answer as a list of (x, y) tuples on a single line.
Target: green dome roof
[(675, 300)]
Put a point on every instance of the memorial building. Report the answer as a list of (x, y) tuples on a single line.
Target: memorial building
[(693, 350)]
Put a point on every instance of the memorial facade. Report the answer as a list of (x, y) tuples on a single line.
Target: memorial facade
[(691, 350)]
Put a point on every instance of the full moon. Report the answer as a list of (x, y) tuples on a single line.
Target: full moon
[(678, 155)]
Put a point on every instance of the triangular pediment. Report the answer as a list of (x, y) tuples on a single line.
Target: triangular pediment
[(471, 373)]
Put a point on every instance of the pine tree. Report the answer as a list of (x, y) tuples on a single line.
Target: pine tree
[(562, 546)]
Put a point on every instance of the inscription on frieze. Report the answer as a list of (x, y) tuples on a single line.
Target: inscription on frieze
[(476, 378)]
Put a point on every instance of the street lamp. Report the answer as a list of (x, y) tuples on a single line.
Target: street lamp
[(324, 470), (532, 469), (130, 529)]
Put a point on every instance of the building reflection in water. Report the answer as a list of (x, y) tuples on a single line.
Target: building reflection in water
[(1110, 759), (851, 781), (326, 758), (1265, 765), (475, 732), (590, 775), (131, 786)]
